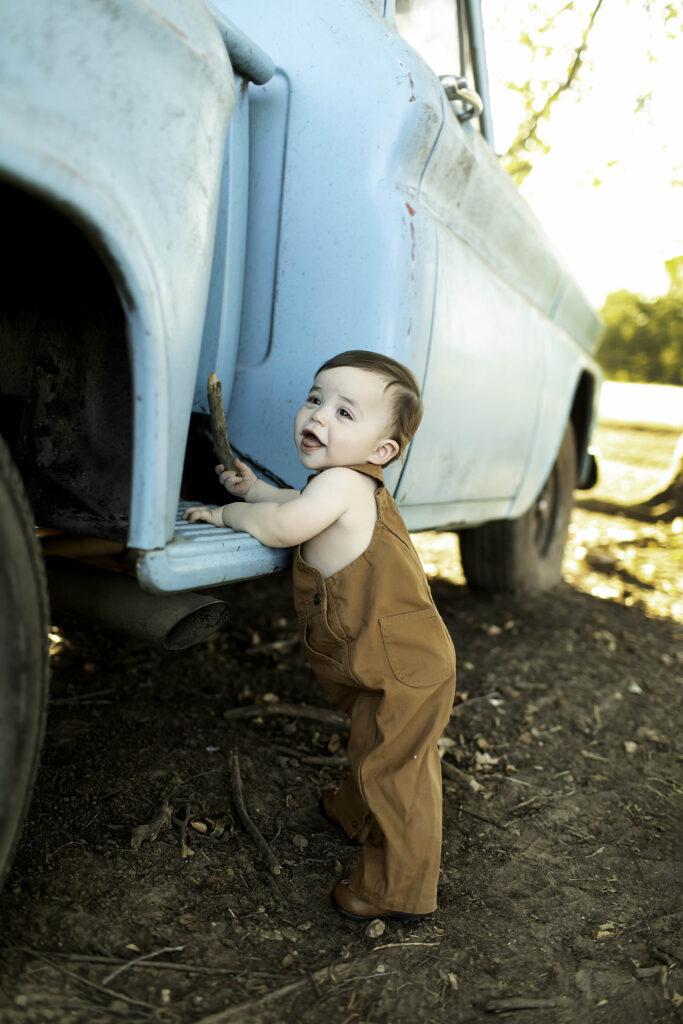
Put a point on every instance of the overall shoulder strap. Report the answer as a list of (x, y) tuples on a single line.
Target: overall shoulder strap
[(370, 470)]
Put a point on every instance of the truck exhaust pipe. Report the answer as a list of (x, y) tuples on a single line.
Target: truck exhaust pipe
[(174, 620)]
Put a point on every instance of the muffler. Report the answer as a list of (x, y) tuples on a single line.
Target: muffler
[(116, 600)]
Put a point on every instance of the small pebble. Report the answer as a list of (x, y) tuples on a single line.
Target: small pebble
[(375, 929)]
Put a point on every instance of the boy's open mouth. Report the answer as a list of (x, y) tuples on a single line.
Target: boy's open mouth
[(309, 442)]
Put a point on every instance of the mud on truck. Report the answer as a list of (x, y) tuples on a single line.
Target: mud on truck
[(246, 187)]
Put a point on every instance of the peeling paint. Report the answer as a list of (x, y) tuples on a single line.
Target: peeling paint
[(407, 73)]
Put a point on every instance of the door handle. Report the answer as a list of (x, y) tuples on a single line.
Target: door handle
[(457, 90)]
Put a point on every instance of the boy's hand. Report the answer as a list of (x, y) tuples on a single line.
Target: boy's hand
[(238, 483), (198, 514)]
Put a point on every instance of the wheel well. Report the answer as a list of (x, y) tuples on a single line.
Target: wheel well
[(65, 383)]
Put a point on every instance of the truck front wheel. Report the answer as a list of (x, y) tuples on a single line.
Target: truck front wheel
[(525, 553), (23, 656)]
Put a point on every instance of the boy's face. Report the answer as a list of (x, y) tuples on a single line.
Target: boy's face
[(345, 420)]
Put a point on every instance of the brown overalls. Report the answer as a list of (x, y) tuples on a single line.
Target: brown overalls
[(378, 646)]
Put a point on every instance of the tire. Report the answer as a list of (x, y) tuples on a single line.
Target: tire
[(525, 553), (23, 656)]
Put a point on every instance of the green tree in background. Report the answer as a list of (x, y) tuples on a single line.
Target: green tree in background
[(540, 94), (643, 339)]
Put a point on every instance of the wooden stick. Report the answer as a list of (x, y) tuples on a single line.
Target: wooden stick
[(518, 1003), (108, 992), (642, 511), (127, 964), (455, 774), (325, 715), (267, 1009), (141, 962), (249, 826), (324, 761), (219, 427)]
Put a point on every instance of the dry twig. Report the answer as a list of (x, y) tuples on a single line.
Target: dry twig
[(138, 959), (155, 965), (322, 760), (267, 1009), (518, 1003), (109, 993), (249, 826), (480, 817), (324, 715), (455, 774), (185, 848)]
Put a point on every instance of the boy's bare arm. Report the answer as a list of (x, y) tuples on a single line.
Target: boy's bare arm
[(244, 483), (285, 525)]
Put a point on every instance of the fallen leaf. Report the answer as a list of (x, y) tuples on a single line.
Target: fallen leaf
[(484, 761), (449, 978)]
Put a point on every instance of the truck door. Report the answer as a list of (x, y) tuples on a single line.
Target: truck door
[(495, 275)]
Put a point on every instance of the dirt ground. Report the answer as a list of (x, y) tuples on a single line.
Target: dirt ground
[(559, 898)]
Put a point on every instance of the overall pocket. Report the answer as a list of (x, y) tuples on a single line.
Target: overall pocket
[(322, 646), (418, 647)]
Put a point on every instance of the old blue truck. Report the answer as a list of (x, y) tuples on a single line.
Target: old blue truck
[(246, 187)]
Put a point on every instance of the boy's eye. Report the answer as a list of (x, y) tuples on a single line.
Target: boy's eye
[(313, 400), (345, 413)]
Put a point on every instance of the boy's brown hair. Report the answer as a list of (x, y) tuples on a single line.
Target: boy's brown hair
[(406, 404)]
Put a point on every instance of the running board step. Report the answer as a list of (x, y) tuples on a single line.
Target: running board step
[(202, 555)]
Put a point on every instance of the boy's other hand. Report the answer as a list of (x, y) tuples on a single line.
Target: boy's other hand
[(237, 482), (198, 514)]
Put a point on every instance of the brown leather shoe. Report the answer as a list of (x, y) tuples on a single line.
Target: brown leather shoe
[(326, 808), (351, 905)]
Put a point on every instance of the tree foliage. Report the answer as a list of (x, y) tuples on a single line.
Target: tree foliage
[(551, 49), (643, 340), (541, 96)]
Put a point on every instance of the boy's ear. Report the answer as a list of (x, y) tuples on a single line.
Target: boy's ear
[(385, 451)]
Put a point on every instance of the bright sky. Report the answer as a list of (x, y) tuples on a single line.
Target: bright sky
[(604, 191)]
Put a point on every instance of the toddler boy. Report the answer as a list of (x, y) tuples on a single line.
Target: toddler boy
[(368, 623)]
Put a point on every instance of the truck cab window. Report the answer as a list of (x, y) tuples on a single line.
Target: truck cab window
[(439, 31), (431, 28)]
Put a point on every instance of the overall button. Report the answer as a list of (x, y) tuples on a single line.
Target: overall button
[(317, 598)]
